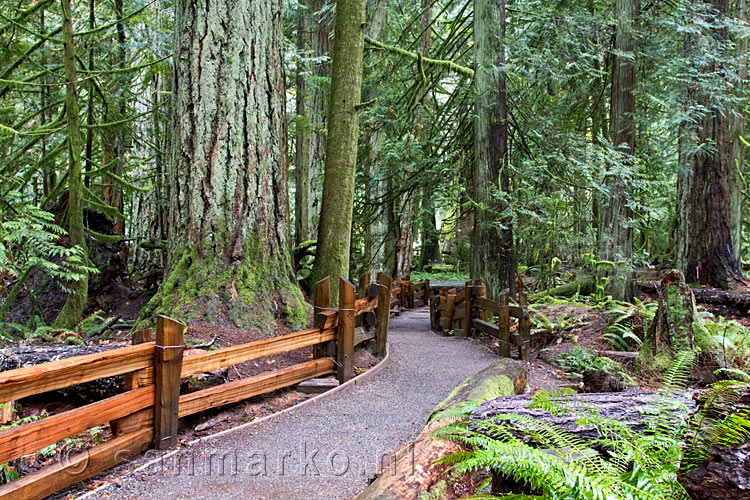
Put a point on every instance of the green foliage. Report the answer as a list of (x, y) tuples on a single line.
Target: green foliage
[(628, 323), (555, 464)]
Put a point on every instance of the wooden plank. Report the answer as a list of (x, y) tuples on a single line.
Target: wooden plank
[(449, 311), (487, 305), (167, 367), (468, 303), (345, 332), (363, 285), (61, 474), (134, 422), (382, 313), (137, 379), (23, 382), (232, 355), (252, 386), (362, 335), (7, 413), (326, 319), (486, 327), (29, 438), (503, 324), (482, 285), (364, 305), (524, 327), (321, 301)]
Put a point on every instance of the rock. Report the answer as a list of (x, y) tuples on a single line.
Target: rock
[(724, 476), (606, 375), (414, 472)]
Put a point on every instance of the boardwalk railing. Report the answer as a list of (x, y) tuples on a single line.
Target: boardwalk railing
[(465, 310), (146, 413)]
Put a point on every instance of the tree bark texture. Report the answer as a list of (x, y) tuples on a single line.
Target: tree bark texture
[(76, 300), (493, 255), (616, 231), (313, 42), (703, 243), (334, 231), (737, 130), (228, 238)]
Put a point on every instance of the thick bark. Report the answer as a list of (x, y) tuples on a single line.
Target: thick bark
[(76, 300), (493, 254), (637, 410), (334, 231), (430, 237), (702, 238), (615, 229), (737, 130), (313, 41), (228, 236)]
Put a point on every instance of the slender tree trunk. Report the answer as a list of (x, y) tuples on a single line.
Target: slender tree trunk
[(737, 130), (228, 240), (430, 237), (615, 228), (703, 243), (76, 301), (313, 41), (334, 231), (493, 254)]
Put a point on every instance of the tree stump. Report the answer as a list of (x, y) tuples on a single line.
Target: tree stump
[(672, 328)]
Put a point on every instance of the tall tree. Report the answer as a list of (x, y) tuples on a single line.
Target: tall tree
[(229, 231), (314, 46), (703, 243), (493, 256), (334, 231), (71, 311), (737, 130), (615, 228)]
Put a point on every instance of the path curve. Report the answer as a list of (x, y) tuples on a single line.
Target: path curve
[(304, 452)]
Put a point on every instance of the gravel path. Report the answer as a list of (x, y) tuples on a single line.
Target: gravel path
[(329, 448)]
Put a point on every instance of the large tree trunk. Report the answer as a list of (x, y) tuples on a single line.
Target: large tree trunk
[(228, 239), (702, 238), (313, 41), (737, 130), (71, 311), (430, 237), (493, 254), (334, 231), (615, 230)]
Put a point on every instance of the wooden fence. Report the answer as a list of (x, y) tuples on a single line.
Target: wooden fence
[(146, 413), (464, 310)]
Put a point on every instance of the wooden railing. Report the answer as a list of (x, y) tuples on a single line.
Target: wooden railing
[(146, 413), (464, 310)]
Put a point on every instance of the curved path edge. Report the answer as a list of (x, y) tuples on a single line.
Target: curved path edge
[(359, 378)]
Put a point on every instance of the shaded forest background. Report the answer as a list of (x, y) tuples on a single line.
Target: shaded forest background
[(544, 140)]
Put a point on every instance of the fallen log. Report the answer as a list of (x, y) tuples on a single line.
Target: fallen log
[(735, 300), (412, 470), (632, 408), (582, 286), (723, 476)]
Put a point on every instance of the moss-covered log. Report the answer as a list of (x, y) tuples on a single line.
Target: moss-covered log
[(581, 286), (415, 470), (229, 236)]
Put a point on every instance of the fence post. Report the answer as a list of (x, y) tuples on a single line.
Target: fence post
[(482, 292), (345, 331), (468, 307), (503, 326), (383, 313), (321, 301), (362, 285), (524, 326), (450, 307), (168, 363)]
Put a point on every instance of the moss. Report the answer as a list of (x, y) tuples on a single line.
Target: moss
[(438, 491), (494, 387)]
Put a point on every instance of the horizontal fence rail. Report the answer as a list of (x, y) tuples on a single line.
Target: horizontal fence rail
[(145, 414)]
